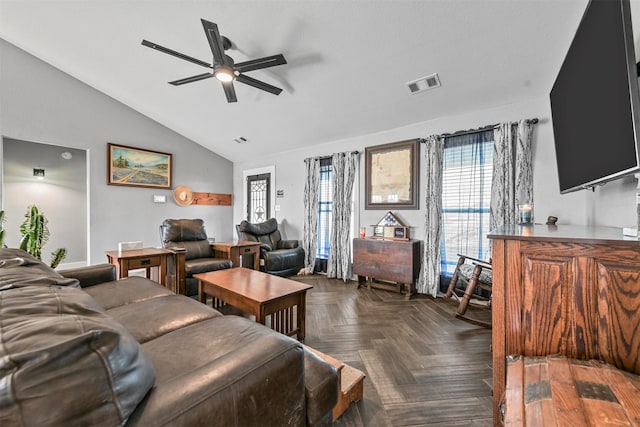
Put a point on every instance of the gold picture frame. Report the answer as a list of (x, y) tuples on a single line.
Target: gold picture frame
[(138, 167), (391, 175)]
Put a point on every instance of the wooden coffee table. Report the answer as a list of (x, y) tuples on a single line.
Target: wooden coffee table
[(259, 294)]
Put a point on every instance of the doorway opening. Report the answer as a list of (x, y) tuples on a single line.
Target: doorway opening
[(54, 178)]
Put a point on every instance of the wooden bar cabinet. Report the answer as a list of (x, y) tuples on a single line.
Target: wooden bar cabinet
[(567, 290)]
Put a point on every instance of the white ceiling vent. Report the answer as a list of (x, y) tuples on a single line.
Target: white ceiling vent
[(241, 140), (424, 83)]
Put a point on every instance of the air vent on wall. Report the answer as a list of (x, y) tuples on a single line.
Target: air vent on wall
[(424, 83)]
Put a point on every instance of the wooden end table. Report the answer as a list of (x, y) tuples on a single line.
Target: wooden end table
[(146, 258), (259, 294), (235, 249)]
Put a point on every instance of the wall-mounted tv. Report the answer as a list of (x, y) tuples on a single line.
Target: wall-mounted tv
[(595, 103)]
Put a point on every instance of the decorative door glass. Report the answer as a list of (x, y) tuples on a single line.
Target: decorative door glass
[(258, 195)]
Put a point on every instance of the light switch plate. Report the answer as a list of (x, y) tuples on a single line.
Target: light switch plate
[(159, 198)]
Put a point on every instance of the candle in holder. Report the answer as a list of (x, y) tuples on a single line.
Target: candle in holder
[(363, 232), (525, 211)]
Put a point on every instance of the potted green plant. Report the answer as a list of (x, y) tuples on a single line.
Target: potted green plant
[(35, 234)]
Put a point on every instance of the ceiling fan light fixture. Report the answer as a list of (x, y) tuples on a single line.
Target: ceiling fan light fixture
[(224, 74), (223, 68)]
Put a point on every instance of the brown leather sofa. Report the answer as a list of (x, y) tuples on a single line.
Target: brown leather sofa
[(81, 348)]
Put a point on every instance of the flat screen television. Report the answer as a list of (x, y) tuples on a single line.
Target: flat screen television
[(595, 101)]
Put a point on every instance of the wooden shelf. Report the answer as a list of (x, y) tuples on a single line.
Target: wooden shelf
[(211, 199)]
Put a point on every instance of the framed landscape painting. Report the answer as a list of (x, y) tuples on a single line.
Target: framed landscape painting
[(137, 167), (391, 175)]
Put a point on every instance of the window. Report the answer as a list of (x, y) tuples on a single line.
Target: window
[(466, 196), (325, 205), (259, 195)]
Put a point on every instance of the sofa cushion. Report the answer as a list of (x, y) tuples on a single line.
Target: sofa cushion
[(284, 259), (320, 386), (264, 232), (229, 372), (267, 227), (161, 316), (203, 265), (18, 268), (67, 362), (194, 249), (179, 230), (126, 291)]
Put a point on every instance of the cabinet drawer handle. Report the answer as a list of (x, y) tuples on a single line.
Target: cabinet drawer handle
[(247, 250), (145, 262)]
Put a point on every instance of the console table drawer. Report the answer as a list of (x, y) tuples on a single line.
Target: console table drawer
[(151, 261)]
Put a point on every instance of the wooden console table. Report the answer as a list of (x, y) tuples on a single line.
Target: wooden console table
[(146, 258), (567, 290), (237, 249), (390, 260)]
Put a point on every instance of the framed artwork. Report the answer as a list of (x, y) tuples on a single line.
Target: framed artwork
[(391, 175), (137, 167)]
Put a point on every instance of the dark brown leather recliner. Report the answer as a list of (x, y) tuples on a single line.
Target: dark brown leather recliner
[(281, 257), (198, 255)]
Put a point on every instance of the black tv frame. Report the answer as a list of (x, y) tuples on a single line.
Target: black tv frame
[(633, 70)]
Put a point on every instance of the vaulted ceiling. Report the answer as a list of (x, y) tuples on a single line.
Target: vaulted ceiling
[(348, 60)]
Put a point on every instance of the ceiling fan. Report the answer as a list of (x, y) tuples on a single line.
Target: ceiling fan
[(224, 69)]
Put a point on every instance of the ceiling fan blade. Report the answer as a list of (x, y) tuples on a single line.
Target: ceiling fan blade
[(230, 92), (215, 41), (191, 79), (258, 84), (257, 64), (174, 53)]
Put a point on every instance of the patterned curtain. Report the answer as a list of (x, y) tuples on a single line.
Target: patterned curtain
[(344, 173), (512, 182), (310, 237), (429, 281)]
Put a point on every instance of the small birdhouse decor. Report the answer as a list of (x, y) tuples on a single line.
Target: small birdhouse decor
[(391, 228)]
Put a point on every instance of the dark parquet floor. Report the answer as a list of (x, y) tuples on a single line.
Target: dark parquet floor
[(424, 367)]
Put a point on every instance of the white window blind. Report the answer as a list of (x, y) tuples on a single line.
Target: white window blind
[(325, 205), (466, 196)]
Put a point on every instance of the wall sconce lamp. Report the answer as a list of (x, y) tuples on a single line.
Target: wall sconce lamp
[(38, 173)]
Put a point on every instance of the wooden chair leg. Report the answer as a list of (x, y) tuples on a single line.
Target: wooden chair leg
[(462, 308), (454, 279)]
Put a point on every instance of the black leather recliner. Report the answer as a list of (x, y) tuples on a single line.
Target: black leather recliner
[(199, 256), (281, 257)]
